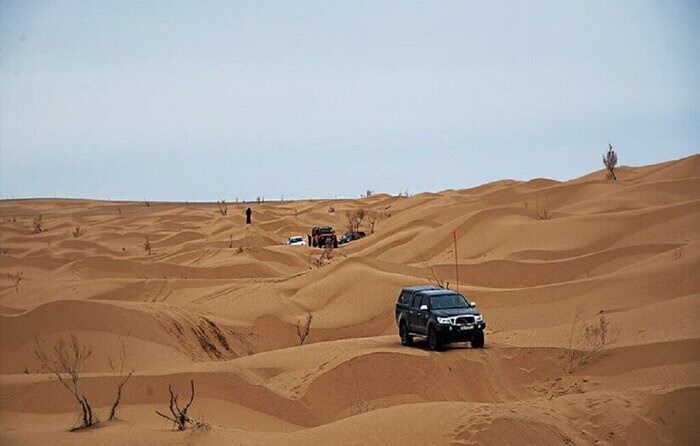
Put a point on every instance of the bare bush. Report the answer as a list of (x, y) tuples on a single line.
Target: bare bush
[(323, 259), (223, 208), (372, 217), (587, 340), (16, 278), (78, 232), (66, 362), (230, 241), (610, 162), (331, 209), (369, 193), (120, 375), (303, 332), (435, 280), (543, 211), (355, 219), (147, 204), (181, 420), (39, 224), (359, 406), (147, 246)]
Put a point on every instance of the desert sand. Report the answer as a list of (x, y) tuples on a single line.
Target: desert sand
[(218, 302)]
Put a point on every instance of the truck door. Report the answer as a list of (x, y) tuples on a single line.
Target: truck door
[(414, 313)]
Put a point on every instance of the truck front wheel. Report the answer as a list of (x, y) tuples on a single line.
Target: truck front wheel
[(478, 340)]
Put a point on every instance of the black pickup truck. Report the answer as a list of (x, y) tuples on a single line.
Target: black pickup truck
[(440, 315)]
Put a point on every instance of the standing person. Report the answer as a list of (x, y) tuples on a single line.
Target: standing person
[(248, 214)]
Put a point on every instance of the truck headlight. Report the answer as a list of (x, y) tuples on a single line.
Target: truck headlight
[(443, 320), (478, 318)]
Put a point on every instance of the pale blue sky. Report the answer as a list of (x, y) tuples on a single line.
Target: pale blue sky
[(205, 100)]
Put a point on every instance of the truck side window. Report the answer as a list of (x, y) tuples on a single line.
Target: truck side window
[(416, 301), (405, 297)]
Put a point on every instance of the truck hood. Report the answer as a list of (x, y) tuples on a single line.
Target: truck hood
[(447, 312)]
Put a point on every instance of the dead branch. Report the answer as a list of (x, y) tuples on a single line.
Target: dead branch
[(120, 375), (303, 333), (179, 416)]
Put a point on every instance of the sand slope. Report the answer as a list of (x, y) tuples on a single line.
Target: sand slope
[(218, 301)]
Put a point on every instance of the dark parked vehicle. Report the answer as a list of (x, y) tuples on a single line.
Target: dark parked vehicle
[(323, 236), (440, 315), (350, 236)]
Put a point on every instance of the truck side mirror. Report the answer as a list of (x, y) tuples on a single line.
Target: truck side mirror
[(423, 308), (473, 304)]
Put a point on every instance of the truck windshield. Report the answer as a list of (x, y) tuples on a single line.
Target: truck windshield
[(444, 301)]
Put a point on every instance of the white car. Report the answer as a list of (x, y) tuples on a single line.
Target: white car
[(297, 240)]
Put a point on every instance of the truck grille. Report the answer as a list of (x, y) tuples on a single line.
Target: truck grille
[(464, 320)]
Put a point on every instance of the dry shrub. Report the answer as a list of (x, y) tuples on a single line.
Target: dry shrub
[(355, 219), (223, 208), (543, 212), (66, 362), (587, 340), (230, 241), (303, 331), (16, 278), (610, 162), (39, 224), (120, 375), (78, 232), (181, 420), (322, 260), (331, 209), (147, 204), (147, 246)]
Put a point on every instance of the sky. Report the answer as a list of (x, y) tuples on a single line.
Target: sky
[(209, 100)]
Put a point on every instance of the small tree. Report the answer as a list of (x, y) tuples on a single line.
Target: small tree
[(303, 332), (355, 219), (610, 162), (181, 420), (120, 375), (66, 362)]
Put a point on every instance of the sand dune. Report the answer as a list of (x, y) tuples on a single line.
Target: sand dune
[(218, 301)]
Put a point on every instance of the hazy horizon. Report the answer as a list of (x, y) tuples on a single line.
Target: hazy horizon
[(174, 101)]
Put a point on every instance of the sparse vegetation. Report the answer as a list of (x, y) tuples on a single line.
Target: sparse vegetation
[(147, 204), (354, 219), (368, 193), (66, 362), (359, 406), (230, 241), (181, 420), (223, 208), (586, 340), (38, 224), (303, 331), (147, 246), (610, 162), (16, 278), (331, 209), (78, 232), (120, 375)]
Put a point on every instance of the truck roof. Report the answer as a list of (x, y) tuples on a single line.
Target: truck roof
[(437, 292), (415, 289)]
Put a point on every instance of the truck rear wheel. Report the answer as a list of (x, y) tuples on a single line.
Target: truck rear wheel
[(406, 338)]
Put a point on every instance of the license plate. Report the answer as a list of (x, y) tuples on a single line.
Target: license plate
[(466, 327)]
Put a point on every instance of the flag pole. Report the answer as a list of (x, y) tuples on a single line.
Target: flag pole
[(454, 237)]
